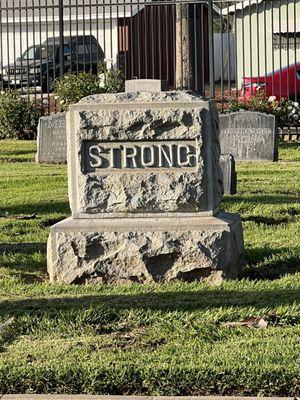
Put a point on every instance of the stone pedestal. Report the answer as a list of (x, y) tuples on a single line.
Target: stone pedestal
[(145, 188), (146, 249)]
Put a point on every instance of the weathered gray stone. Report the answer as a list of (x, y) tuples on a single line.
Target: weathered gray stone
[(146, 249), (249, 136), (134, 120), (52, 139), (145, 185), (227, 165), (146, 85)]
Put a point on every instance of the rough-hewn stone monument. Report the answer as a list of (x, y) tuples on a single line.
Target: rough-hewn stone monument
[(227, 165), (145, 187), (249, 136), (52, 140)]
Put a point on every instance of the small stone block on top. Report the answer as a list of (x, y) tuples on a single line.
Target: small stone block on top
[(146, 85)]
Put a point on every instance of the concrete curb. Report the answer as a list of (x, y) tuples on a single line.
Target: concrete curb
[(88, 397)]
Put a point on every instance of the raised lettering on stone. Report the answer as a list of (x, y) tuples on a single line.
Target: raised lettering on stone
[(160, 155), (145, 189)]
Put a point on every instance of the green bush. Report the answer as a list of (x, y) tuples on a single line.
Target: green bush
[(19, 116), (71, 88), (286, 111), (115, 81)]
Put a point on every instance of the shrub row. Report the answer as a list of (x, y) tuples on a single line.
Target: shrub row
[(71, 88), (286, 111), (19, 115)]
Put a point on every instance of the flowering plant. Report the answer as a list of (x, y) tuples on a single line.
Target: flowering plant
[(286, 111)]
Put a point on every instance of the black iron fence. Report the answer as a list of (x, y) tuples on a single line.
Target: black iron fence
[(227, 50)]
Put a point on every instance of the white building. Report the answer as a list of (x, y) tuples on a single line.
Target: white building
[(21, 26), (267, 36)]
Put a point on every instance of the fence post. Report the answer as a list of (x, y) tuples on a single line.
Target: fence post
[(61, 38), (184, 42)]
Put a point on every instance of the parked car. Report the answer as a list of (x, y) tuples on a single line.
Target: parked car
[(40, 65), (283, 83)]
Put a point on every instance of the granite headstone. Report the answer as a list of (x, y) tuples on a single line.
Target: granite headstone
[(227, 165), (52, 139), (249, 136), (145, 188)]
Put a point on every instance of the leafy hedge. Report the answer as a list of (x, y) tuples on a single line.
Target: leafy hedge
[(71, 88), (286, 111), (19, 116)]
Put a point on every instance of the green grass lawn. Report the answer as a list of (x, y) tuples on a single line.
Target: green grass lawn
[(163, 339)]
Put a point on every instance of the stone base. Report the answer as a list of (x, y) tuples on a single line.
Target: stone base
[(146, 249)]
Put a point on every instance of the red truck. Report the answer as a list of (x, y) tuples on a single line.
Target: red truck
[(280, 83)]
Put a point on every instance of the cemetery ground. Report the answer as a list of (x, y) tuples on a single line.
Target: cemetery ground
[(162, 339)]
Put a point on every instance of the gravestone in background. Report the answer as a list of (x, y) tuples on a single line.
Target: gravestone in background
[(227, 165), (145, 188), (52, 139), (249, 136)]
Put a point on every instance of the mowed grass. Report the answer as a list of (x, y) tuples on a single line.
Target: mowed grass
[(163, 339)]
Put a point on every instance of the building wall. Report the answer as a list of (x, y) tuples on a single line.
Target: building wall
[(258, 53)]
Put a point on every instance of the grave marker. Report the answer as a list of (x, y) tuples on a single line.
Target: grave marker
[(249, 136), (227, 165), (52, 139), (145, 187)]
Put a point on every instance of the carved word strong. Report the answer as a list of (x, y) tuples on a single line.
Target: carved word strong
[(160, 155)]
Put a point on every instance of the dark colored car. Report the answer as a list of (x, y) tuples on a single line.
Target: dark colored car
[(39, 66), (281, 83)]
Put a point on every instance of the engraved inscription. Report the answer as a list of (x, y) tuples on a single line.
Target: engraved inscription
[(52, 140), (134, 156), (56, 126), (248, 135), (249, 140)]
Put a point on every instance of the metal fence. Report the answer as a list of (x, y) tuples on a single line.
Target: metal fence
[(220, 49)]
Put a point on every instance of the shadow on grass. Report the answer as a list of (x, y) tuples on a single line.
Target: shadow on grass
[(262, 199), (288, 145), (270, 263), (156, 301), (16, 153), (16, 160), (24, 260), (36, 208), (23, 248), (269, 221)]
